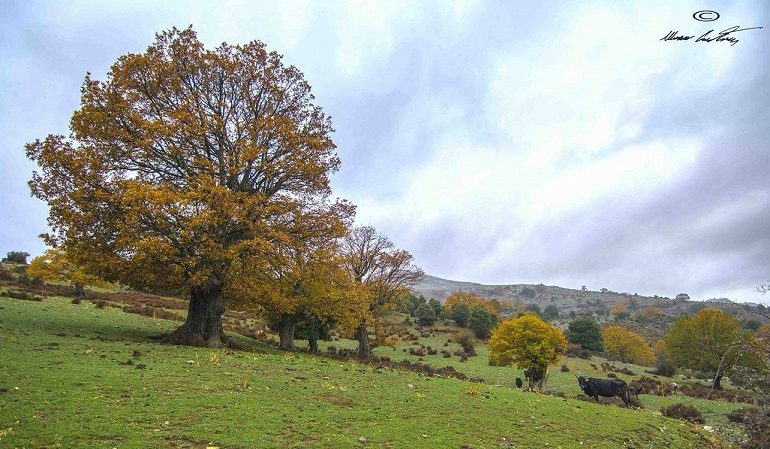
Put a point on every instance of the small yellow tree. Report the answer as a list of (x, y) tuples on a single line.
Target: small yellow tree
[(626, 345), (528, 342), (54, 265)]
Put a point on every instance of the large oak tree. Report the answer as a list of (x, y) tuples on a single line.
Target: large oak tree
[(182, 165)]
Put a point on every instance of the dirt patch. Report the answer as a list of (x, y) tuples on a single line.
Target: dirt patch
[(336, 399)]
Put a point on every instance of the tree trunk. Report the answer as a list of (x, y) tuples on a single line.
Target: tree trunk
[(536, 378), (717, 383), (313, 342), (79, 290), (203, 325), (286, 331), (364, 350)]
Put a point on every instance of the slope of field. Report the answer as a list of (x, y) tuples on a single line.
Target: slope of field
[(78, 376)]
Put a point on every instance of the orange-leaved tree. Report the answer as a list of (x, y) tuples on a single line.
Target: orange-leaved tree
[(301, 280), (183, 163), (471, 300), (529, 343), (627, 346), (381, 274), (54, 265)]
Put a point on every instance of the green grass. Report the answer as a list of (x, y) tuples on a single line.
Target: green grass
[(714, 411), (65, 383)]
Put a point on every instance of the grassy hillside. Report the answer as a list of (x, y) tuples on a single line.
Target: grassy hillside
[(78, 376)]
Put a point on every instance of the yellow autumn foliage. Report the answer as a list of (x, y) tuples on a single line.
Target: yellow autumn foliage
[(527, 342), (627, 346)]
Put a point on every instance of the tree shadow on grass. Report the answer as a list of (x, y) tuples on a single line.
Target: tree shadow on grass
[(105, 325)]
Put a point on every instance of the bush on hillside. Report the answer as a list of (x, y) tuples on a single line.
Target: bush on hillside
[(573, 350), (534, 308), (460, 314), (412, 303), (684, 412), (585, 332), (425, 314), (664, 367), (18, 294), (438, 309), (758, 429), (16, 257), (466, 341), (528, 292), (551, 312), (6, 275), (742, 415), (481, 322)]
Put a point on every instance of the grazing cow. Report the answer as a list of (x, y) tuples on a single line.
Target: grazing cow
[(604, 387), (519, 383)]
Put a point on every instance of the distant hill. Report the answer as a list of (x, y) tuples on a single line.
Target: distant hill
[(579, 301), (439, 288)]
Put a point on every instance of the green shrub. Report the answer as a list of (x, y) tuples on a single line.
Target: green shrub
[(684, 412), (534, 308), (758, 429), (481, 322), (573, 350), (460, 314), (466, 341), (585, 332), (16, 257), (663, 366), (551, 312), (528, 292), (426, 315), (437, 307)]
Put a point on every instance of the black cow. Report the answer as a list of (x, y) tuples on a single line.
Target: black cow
[(604, 387), (519, 383)]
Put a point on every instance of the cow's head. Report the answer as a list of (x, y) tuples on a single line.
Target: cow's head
[(582, 382)]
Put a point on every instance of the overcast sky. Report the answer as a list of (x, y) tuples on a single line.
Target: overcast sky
[(499, 142)]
